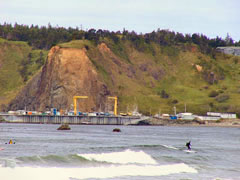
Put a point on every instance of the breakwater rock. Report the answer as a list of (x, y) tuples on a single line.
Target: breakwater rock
[(64, 127)]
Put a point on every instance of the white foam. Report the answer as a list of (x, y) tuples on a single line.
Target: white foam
[(189, 151), (125, 157), (30, 173), (170, 147)]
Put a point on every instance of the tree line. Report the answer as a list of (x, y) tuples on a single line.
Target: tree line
[(45, 37)]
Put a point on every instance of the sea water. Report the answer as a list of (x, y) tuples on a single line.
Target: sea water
[(41, 152)]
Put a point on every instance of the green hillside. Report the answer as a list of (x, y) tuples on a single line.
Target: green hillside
[(166, 76), (18, 63), (151, 76)]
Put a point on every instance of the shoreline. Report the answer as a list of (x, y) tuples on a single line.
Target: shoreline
[(151, 121), (194, 123)]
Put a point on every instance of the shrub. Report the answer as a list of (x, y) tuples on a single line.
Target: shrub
[(211, 104), (223, 108), (220, 91), (222, 98), (218, 121), (175, 101), (87, 47), (224, 88), (164, 94), (213, 94), (235, 60)]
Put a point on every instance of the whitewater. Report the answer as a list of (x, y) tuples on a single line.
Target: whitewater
[(91, 152)]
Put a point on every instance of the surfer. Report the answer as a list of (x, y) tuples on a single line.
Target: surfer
[(188, 144), (10, 142)]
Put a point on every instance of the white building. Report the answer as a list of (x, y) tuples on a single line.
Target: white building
[(229, 50), (223, 115), (187, 116), (209, 118), (21, 112)]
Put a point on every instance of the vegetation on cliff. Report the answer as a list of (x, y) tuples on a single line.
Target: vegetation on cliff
[(18, 63), (46, 37), (171, 76), (154, 71)]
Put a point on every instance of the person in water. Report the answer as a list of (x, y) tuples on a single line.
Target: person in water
[(10, 142), (188, 144)]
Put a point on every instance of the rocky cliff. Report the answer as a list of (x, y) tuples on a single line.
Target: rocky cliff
[(68, 72), (88, 70), (154, 78)]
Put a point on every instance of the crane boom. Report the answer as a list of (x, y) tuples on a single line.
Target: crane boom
[(75, 102)]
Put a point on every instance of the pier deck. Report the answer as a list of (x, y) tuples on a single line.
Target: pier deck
[(47, 119)]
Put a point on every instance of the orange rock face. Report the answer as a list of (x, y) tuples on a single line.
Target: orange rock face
[(93, 71), (68, 72)]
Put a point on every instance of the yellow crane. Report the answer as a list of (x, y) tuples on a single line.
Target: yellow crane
[(75, 102), (115, 104)]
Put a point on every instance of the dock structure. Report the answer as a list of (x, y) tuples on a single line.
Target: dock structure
[(94, 120)]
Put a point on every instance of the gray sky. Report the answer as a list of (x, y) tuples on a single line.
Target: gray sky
[(210, 17)]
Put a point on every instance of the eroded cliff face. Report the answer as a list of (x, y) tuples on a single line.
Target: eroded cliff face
[(95, 72), (68, 72), (136, 76)]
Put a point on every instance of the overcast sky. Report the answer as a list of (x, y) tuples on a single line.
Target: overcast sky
[(210, 17)]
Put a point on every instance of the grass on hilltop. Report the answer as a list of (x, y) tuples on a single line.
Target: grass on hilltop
[(13, 54)]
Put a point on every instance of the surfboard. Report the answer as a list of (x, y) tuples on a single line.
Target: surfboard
[(189, 151)]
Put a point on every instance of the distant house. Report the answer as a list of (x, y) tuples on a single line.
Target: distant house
[(186, 115), (213, 114), (223, 115), (165, 116), (209, 118), (229, 50), (11, 112), (21, 112)]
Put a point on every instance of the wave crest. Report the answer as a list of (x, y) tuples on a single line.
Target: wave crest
[(125, 157), (102, 172)]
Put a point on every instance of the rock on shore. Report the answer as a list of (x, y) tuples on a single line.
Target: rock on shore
[(179, 122), (64, 127)]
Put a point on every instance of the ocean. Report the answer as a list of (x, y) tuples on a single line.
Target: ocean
[(41, 152)]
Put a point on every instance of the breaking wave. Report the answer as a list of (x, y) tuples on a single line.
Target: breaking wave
[(40, 173), (104, 165), (46, 161), (125, 157)]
